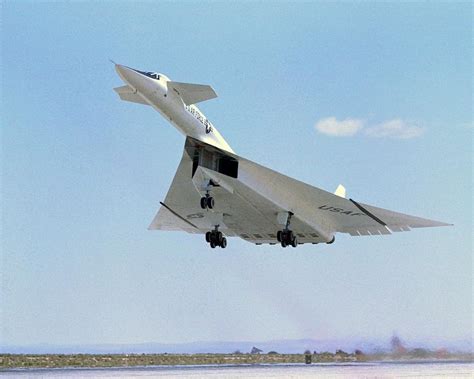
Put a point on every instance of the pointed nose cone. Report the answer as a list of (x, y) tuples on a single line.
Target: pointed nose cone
[(125, 73), (118, 68), (135, 79)]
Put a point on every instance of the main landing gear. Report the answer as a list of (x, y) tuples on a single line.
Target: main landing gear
[(215, 238), (286, 236)]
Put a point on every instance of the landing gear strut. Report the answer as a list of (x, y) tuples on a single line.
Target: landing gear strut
[(286, 236), (215, 238)]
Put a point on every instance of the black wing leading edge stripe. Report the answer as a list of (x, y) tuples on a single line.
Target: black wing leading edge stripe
[(177, 215), (372, 216)]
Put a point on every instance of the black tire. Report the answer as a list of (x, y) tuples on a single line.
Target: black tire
[(208, 237), (294, 242), (203, 203), (213, 244), (224, 243), (332, 241), (283, 243), (219, 237), (279, 236), (210, 202), (290, 236)]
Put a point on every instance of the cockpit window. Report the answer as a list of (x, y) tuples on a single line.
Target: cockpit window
[(150, 74), (153, 75)]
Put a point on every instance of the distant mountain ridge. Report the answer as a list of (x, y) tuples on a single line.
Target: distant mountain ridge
[(280, 346)]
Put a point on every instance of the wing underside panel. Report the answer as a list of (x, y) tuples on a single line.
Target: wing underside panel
[(240, 211), (248, 205)]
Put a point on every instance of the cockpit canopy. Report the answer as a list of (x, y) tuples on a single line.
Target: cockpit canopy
[(153, 75), (150, 74)]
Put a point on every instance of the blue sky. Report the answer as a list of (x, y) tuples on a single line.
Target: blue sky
[(83, 172)]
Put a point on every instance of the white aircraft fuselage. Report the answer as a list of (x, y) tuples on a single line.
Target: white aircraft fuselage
[(220, 194), (188, 119)]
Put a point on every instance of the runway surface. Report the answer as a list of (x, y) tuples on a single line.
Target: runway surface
[(358, 370)]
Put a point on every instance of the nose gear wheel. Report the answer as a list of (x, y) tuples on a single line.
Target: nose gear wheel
[(207, 202)]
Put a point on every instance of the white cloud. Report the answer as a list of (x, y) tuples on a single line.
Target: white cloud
[(344, 128), (396, 128)]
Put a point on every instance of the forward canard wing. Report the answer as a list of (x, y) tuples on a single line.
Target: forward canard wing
[(192, 93), (127, 93)]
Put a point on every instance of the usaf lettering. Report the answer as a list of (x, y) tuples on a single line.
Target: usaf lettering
[(340, 210)]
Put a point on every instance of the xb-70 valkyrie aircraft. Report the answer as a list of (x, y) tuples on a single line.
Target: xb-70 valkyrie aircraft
[(218, 193)]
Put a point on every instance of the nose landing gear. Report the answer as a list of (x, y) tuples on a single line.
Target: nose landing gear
[(216, 238), (207, 202)]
